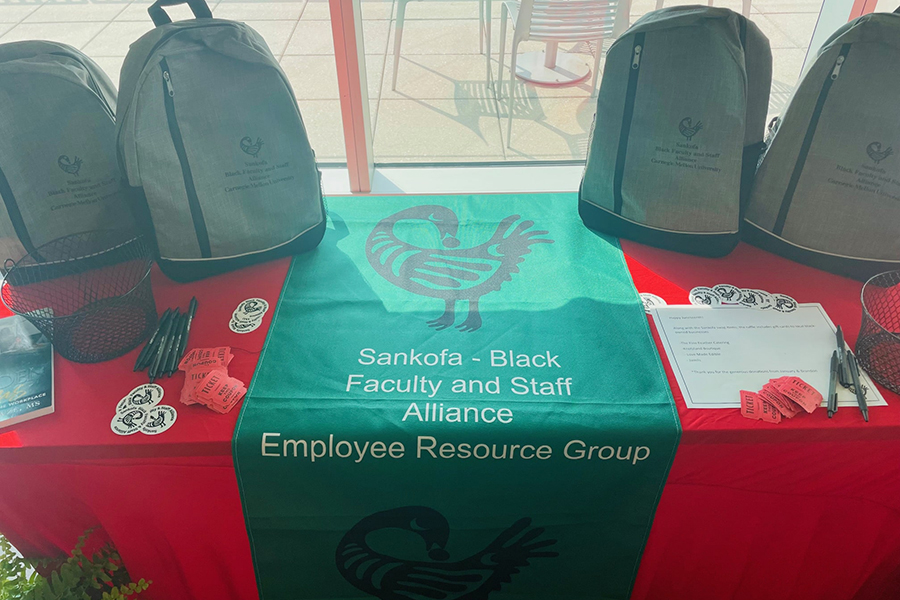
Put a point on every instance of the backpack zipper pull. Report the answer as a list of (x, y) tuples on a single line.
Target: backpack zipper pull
[(170, 89), (636, 60), (837, 67)]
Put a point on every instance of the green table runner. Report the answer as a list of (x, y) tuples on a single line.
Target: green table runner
[(459, 398)]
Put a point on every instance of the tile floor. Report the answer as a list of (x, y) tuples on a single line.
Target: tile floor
[(443, 108)]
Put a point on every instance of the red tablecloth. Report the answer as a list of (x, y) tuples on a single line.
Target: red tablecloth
[(807, 509), (169, 502)]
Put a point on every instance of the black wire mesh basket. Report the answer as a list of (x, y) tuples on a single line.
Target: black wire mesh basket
[(89, 293), (878, 345)]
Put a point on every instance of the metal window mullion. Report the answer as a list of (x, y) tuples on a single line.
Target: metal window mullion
[(349, 56)]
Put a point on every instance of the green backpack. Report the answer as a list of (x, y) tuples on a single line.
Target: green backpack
[(211, 139), (828, 189), (58, 169), (678, 131)]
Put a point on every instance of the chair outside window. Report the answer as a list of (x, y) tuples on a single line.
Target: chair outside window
[(555, 21), (484, 33), (745, 8)]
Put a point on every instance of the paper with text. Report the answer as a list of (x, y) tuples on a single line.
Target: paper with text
[(717, 352)]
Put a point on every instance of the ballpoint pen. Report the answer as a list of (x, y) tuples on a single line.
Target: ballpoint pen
[(147, 351), (860, 396), (163, 343), (843, 370), (832, 385), (183, 340), (167, 368)]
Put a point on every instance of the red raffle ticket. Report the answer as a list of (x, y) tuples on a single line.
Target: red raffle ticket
[(208, 358), (206, 379), (800, 392), (786, 407), (219, 392), (754, 407)]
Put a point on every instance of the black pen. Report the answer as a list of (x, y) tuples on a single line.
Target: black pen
[(163, 343), (183, 340), (843, 369), (148, 349), (860, 397), (177, 332), (832, 385)]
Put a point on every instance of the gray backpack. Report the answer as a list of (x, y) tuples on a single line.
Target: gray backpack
[(678, 131), (58, 169), (211, 138), (827, 192)]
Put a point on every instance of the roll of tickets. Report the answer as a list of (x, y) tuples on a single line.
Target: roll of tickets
[(727, 293), (159, 419), (704, 296), (143, 396), (651, 301), (754, 407), (219, 392), (128, 422), (206, 358)]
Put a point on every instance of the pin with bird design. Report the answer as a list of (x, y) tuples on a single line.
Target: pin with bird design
[(159, 418), (128, 422), (448, 272), (475, 577), (143, 396)]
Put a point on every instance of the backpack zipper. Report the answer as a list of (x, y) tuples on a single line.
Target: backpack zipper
[(627, 116), (123, 111), (15, 215), (807, 140), (178, 141)]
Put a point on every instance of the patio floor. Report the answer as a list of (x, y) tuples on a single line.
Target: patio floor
[(443, 110)]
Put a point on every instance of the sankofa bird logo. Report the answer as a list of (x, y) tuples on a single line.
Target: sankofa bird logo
[(249, 147), (448, 272), (69, 166), (688, 128), (876, 153), (472, 578)]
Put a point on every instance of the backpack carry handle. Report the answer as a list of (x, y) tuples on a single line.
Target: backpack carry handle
[(159, 16)]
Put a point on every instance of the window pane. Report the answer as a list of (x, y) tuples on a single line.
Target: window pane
[(308, 62), (445, 107), (297, 32)]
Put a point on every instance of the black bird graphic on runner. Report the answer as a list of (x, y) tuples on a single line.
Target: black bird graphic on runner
[(451, 273), (472, 578)]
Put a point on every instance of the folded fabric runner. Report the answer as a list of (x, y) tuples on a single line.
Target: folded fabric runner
[(430, 419)]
